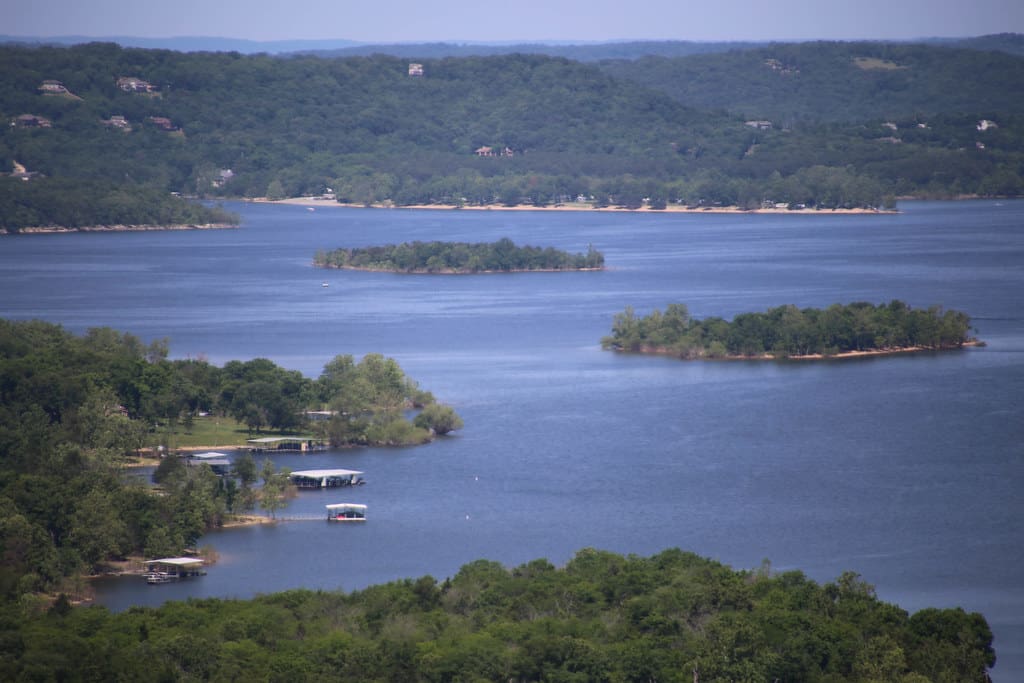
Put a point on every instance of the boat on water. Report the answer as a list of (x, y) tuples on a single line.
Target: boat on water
[(158, 577), (346, 512)]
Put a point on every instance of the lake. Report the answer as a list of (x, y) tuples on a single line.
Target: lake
[(908, 469)]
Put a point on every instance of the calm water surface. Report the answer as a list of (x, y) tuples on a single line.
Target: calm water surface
[(907, 470)]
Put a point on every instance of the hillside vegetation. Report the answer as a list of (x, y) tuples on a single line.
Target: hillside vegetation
[(525, 129), (800, 83), (603, 617)]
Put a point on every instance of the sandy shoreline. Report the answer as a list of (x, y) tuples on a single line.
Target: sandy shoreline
[(845, 355), (318, 202), (117, 228)]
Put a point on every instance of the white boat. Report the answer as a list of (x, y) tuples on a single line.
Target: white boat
[(158, 577), (346, 512)]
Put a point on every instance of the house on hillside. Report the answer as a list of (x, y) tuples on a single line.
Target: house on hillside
[(32, 121), (117, 121), (223, 176), (779, 67), (22, 173), (51, 87), (135, 85), (415, 69), (487, 151), (163, 123), (759, 125)]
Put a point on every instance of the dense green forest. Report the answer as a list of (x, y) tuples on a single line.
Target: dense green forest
[(790, 331), (458, 257), (796, 84), (75, 409), (603, 617), (73, 203), (521, 129)]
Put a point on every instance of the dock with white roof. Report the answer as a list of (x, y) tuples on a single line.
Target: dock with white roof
[(326, 479)]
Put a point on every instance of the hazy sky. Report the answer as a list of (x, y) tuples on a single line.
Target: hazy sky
[(513, 20)]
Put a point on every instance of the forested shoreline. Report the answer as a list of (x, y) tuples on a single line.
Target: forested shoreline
[(459, 257), (602, 617), (788, 331), (517, 130), (75, 410), (64, 204)]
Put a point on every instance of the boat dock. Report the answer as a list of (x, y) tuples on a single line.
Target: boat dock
[(169, 569), (326, 479), (346, 512), (286, 444)]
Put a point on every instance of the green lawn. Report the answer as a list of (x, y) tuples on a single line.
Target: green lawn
[(210, 431)]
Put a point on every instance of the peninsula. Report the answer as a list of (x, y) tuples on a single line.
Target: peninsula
[(839, 331), (502, 256)]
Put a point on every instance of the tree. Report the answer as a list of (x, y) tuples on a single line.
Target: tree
[(274, 494), (438, 418), (275, 190), (98, 531)]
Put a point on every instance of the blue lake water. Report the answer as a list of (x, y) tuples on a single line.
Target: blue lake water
[(908, 470)]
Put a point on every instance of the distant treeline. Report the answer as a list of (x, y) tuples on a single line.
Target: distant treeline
[(67, 203), (458, 257), (602, 617), (790, 331)]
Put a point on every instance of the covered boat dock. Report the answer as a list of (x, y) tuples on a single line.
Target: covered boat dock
[(218, 462), (346, 512), (286, 444), (169, 569), (326, 479)]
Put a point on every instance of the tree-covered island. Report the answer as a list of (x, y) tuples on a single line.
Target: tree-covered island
[(459, 257), (791, 332)]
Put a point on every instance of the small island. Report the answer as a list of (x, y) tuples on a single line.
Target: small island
[(839, 331), (502, 256)]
